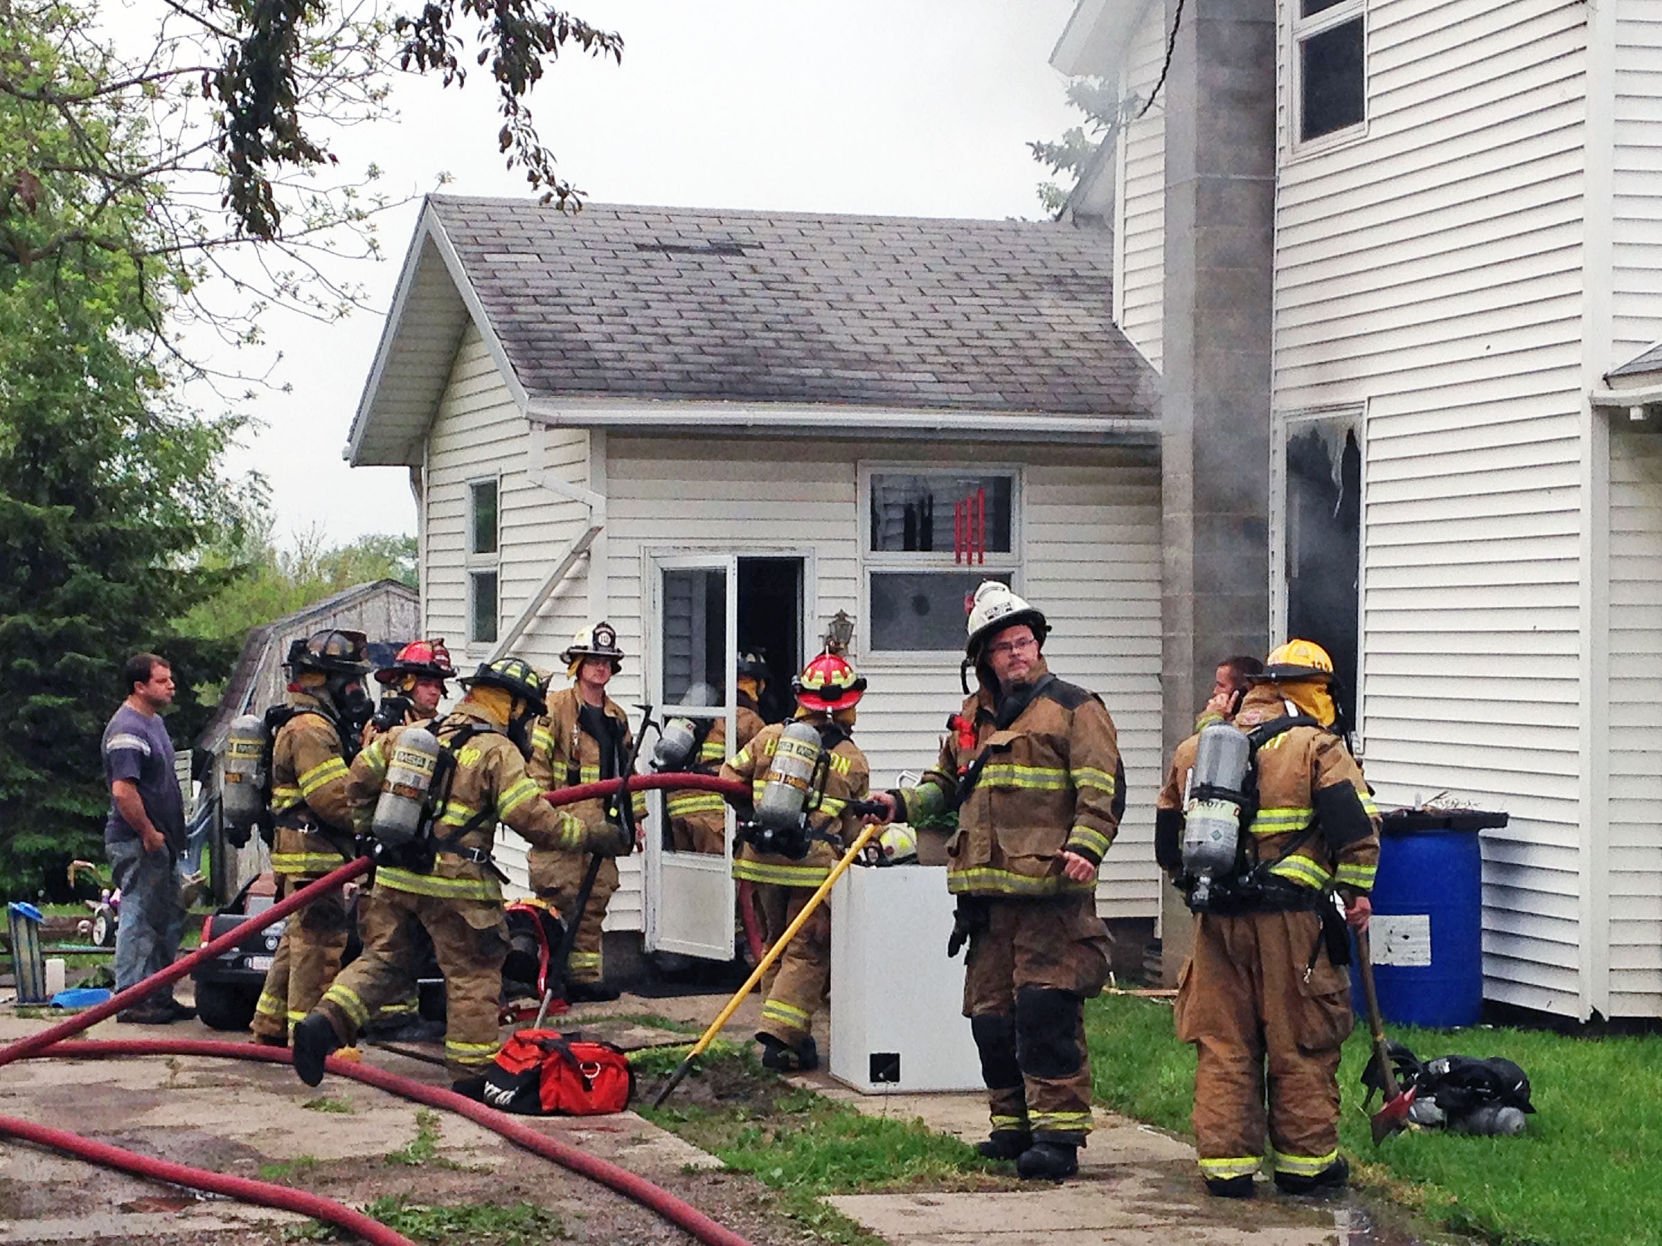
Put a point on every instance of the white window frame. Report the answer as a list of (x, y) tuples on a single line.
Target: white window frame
[(871, 560), (1300, 30), (477, 563), (1281, 426)]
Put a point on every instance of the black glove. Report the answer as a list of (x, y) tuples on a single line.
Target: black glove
[(609, 840), (968, 920)]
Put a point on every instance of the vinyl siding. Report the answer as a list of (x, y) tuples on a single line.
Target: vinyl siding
[(1430, 274), (1092, 562), (1634, 725), (1637, 179), (480, 433), (1140, 191)]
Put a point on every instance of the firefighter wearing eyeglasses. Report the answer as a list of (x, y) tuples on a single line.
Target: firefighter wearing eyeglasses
[(827, 692), (1031, 766)]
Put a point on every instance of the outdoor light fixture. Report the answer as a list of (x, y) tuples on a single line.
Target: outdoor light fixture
[(839, 632)]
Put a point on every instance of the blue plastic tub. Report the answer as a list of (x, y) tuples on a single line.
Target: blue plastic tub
[(1427, 929)]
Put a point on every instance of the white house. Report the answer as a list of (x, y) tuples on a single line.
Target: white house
[(1466, 256), (719, 428)]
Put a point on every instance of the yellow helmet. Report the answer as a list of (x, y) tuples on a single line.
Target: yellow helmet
[(1297, 659)]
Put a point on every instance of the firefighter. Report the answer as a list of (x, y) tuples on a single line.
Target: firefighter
[(827, 692), (327, 708), (1032, 767), (414, 686), (583, 738), (449, 887), (1264, 997), (1229, 685), (698, 820)]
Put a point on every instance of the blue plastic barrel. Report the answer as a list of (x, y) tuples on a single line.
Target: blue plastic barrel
[(1427, 929)]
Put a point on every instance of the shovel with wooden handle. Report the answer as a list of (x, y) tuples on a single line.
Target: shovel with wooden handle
[(1393, 1113)]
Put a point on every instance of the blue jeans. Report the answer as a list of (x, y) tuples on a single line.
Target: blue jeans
[(152, 916)]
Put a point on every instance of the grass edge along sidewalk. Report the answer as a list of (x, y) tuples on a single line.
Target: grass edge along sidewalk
[(1583, 1174)]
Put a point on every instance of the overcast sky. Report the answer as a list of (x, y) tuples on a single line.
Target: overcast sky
[(904, 107)]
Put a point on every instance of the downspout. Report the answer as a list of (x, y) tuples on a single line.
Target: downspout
[(543, 478)]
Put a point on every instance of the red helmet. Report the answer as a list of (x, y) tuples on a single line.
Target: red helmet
[(425, 659), (828, 683)]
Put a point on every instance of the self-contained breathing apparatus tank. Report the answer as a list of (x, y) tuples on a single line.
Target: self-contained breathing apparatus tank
[(1212, 813), (401, 810), (795, 776), (676, 744), (243, 793)]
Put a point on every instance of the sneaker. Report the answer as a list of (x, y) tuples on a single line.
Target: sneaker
[(1230, 1187), (314, 1040), (1334, 1177), (1005, 1144), (147, 1013), (1048, 1161), (590, 992)]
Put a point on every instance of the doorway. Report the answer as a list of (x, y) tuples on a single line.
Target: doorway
[(703, 610)]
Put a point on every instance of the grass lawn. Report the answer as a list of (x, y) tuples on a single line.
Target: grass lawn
[(800, 1145), (1585, 1172)]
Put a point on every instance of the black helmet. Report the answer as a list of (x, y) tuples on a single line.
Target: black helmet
[(334, 652), (517, 676), (752, 664)]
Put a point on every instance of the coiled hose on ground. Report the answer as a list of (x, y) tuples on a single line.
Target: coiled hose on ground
[(638, 1189)]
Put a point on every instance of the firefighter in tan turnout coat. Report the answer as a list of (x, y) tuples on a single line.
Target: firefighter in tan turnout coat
[(327, 709), (1265, 997), (583, 738), (450, 887), (698, 820), (1032, 767), (827, 692)]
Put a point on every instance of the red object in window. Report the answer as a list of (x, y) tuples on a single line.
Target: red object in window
[(957, 533), (981, 526)]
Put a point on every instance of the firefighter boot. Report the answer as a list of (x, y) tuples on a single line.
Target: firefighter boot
[(1230, 1187), (1333, 1177), (1005, 1144), (314, 1040), (783, 1058), (596, 992), (1048, 1161)]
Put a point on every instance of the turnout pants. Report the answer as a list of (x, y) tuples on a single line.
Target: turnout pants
[(798, 983), (307, 960), (557, 877), (1026, 979), (470, 940), (1263, 1035)]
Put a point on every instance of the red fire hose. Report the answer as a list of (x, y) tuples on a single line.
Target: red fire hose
[(626, 1183), (249, 1191), (636, 1188), (179, 968)]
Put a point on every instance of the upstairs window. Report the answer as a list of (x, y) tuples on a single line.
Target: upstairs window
[(484, 608), (1329, 67), (931, 538)]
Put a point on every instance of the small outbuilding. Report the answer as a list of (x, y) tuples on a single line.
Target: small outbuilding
[(718, 429)]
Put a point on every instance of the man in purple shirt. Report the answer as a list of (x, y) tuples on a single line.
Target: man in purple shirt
[(144, 835)]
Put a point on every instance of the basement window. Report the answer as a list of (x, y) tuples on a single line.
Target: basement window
[(1329, 68), (931, 537), (1321, 546)]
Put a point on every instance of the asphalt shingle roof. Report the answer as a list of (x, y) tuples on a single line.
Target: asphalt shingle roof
[(717, 305), (1650, 361)]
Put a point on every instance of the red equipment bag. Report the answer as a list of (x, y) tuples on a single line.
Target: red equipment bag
[(546, 1073)]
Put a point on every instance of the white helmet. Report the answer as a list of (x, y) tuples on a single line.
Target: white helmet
[(994, 608)]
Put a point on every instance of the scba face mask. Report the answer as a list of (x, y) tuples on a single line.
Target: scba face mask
[(351, 700)]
